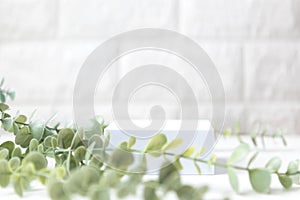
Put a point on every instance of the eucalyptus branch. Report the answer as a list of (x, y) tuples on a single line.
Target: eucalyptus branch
[(4, 93), (76, 152)]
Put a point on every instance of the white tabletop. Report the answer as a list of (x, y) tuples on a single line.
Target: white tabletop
[(219, 183)]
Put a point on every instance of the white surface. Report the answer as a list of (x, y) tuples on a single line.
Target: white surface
[(218, 184)]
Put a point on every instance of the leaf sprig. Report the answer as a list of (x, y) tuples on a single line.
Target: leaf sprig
[(77, 152)]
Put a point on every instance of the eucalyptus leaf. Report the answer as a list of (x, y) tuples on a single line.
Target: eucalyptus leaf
[(14, 163), (9, 145), (3, 107), (285, 181), (7, 123), (227, 132), (233, 179), (169, 177), (172, 144), (2, 97), (199, 152), (197, 168), (189, 151), (4, 173), (4, 153), (81, 179), (150, 191), (17, 152), (21, 119), (260, 179), (274, 164), (37, 129), (33, 145), (56, 190), (23, 137), (37, 159), (293, 167), (239, 153), (156, 143), (80, 153), (65, 137), (131, 142), (96, 193), (121, 159)]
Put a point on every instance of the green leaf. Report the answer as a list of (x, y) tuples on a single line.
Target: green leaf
[(123, 145), (89, 151), (4, 173), (56, 190), (21, 119), (54, 142), (77, 139), (4, 153), (239, 153), (81, 179), (17, 152), (33, 145), (189, 151), (197, 168), (156, 143), (131, 142), (7, 123), (3, 107), (9, 145), (37, 129), (150, 191), (95, 193), (172, 144), (23, 137), (227, 132), (39, 161), (2, 97), (47, 141), (121, 159), (293, 167), (11, 94), (274, 164), (260, 180), (285, 181), (233, 179), (199, 152), (80, 153), (169, 177), (14, 163), (65, 137)]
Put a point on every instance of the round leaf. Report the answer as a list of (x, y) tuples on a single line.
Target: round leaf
[(156, 143), (285, 181), (121, 159), (239, 153), (293, 167), (37, 129), (260, 180), (38, 160), (274, 164), (7, 123), (65, 137)]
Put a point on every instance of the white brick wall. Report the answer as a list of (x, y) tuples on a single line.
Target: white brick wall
[(255, 45)]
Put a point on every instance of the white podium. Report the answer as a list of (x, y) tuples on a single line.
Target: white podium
[(201, 137)]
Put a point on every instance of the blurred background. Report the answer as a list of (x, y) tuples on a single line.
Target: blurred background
[(254, 44)]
